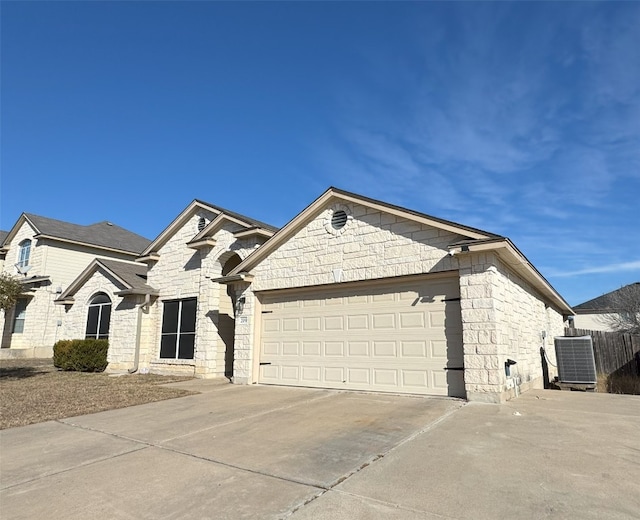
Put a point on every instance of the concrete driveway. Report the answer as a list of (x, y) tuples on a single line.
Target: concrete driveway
[(271, 452)]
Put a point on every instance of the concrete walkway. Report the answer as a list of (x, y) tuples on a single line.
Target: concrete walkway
[(271, 452)]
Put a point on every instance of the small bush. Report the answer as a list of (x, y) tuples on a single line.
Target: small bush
[(619, 384), (81, 355)]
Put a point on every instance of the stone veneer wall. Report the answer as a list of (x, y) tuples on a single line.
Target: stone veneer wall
[(183, 272), (503, 317), (373, 245), (45, 321), (41, 318), (123, 324)]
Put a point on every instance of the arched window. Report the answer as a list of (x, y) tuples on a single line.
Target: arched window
[(24, 252), (99, 317)]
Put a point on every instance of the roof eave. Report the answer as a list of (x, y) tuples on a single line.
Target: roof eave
[(141, 291), (87, 244), (519, 263), (199, 244)]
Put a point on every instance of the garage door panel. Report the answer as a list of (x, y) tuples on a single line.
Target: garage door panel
[(312, 348), (334, 323), (334, 375), (384, 376), (334, 348), (358, 348), (290, 348), (413, 349), (384, 349), (358, 322), (312, 374), (386, 337), (414, 378), (411, 320), (358, 376)]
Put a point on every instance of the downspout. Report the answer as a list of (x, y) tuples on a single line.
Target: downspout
[(143, 307)]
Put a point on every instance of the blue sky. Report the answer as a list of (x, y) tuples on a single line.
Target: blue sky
[(522, 119)]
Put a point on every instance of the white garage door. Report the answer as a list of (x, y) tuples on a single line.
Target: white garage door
[(392, 336)]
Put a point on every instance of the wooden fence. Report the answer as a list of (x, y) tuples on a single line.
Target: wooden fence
[(614, 352)]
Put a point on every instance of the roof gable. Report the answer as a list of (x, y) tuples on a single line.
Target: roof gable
[(222, 215), (335, 195), (130, 277)]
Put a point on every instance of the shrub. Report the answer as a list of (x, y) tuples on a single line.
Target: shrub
[(619, 384), (82, 355)]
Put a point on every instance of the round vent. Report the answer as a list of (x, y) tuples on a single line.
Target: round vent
[(202, 222), (338, 219)]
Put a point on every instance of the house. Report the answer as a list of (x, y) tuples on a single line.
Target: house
[(48, 254), (352, 293), (167, 316), (596, 314)]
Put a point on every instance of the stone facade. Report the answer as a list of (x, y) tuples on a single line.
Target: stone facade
[(44, 321), (503, 316), (123, 323), (182, 272)]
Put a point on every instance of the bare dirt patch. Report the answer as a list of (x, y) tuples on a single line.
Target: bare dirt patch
[(33, 390)]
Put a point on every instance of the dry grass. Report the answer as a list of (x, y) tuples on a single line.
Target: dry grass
[(619, 384), (33, 390)]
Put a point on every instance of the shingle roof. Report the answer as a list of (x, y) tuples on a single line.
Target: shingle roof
[(104, 234), (601, 303), (3, 235), (134, 275), (239, 216)]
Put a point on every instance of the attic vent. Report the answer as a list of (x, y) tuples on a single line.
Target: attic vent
[(338, 219), (576, 363), (202, 223)]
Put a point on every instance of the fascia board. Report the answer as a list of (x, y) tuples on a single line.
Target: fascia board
[(519, 263), (85, 244), (283, 234), (178, 222)]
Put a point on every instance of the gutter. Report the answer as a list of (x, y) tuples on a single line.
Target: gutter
[(142, 308)]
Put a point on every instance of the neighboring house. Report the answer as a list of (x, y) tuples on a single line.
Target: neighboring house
[(47, 255), (3, 235), (168, 316), (353, 293), (595, 314)]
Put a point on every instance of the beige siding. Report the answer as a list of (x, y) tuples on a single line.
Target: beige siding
[(592, 322), (64, 262)]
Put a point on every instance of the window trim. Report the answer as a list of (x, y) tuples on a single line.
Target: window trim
[(178, 333), (24, 258), (17, 312), (101, 307)]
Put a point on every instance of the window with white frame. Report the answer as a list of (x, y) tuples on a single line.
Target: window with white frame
[(99, 317), (178, 329), (19, 316), (24, 252)]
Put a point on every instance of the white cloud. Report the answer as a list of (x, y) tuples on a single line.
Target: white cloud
[(610, 268)]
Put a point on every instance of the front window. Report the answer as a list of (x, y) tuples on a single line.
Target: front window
[(24, 252), (19, 316), (178, 329), (99, 317)]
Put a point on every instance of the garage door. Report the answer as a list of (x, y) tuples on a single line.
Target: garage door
[(389, 336)]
